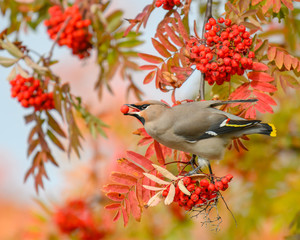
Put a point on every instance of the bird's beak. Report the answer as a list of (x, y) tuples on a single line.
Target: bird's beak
[(133, 110)]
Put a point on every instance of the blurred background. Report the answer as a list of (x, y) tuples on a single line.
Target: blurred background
[(264, 196)]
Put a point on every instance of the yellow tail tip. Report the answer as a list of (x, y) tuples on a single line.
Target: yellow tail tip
[(274, 131)]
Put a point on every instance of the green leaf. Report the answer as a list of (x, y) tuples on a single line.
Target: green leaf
[(114, 20), (130, 43), (55, 140)]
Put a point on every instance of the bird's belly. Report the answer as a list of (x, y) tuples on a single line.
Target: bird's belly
[(211, 148)]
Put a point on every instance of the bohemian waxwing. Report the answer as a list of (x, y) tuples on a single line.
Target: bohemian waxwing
[(196, 127)]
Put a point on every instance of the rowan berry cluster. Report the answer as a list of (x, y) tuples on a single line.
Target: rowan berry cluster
[(167, 4), (224, 51), (201, 192), (76, 217), (29, 93), (75, 33)]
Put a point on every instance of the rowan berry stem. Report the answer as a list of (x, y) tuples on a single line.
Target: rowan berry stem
[(208, 14), (58, 36)]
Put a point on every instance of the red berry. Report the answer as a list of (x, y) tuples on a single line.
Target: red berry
[(204, 183), (219, 185), (211, 187), (221, 20), (229, 177), (251, 54), (186, 180), (224, 180), (190, 203), (165, 193), (191, 187), (227, 22), (124, 109), (194, 197), (225, 186), (197, 190), (241, 28), (212, 21), (207, 26)]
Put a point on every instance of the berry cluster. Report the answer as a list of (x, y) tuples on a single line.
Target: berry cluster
[(75, 34), (76, 217), (167, 4), (29, 93), (202, 192), (224, 51)]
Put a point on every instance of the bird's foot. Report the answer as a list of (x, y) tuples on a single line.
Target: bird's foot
[(192, 161), (201, 163)]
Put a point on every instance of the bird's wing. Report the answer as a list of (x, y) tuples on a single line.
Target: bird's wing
[(194, 124)]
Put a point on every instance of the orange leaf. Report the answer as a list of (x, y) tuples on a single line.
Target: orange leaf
[(172, 35), (117, 188), (117, 216), (113, 206), (161, 49), (295, 62), (150, 58), (118, 197), (267, 5), (259, 66), (123, 178), (250, 113), (149, 77), (134, 206), (140, 159), (148, 67), (159, 153), (260, 76), (254, 2), (279, 59), (276, 6), (271, 53), (130, 168), (181, 27), (287, 61), (166, 42), (125, 216)]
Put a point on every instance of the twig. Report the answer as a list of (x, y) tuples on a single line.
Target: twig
[(58, 36), (228, 209), (208, 14)]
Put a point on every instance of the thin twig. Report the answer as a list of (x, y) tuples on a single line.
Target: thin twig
[(58, 36), (228, 209), (208, 14)]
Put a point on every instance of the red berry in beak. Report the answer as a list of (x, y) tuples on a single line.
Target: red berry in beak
[(124, 109)]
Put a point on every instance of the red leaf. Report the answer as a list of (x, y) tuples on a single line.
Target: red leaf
[(263, 86), (159, 154), (117, 216), (259, 67), (146, 194), (149, 77), (288, 4), (272, 53), (145, 141), (250, 113), (161, 49), (262, 107), (241, 92), (130, 168), (148, 67), (150, 151), (123, 178), (150, 58), (113, 206), (118, 197), (125, 216), (264, 97), (134, 206), (172, 35), (254, 2), (267, 5), (276, 6), (116, 188), (140, 159), (279, 59), (260, 76), (295, 62)]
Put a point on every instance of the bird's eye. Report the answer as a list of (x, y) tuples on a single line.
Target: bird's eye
[(143, 107)]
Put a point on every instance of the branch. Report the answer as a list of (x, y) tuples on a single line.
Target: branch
[(208, 14)]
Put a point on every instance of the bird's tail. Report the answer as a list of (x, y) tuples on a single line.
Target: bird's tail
[(267, 129)]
